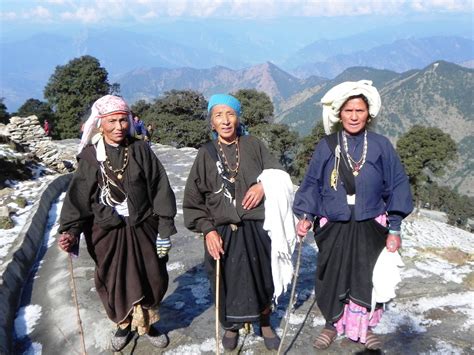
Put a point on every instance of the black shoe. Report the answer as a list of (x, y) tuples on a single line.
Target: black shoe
[(230, 339), (272, 343), (121, 338)]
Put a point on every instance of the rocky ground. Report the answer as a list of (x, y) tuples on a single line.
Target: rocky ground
[(432, 314)]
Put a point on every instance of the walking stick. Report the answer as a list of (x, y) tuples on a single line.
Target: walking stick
[(218, 274), (292, 295), (74, 294)]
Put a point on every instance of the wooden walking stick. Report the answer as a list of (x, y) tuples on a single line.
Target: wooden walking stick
[(218, 276), (74, 294), (292, 295)]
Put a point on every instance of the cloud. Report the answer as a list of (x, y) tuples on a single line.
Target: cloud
[(8, 16), (442, 5), (82, 14), (90, 11), (54, 2)]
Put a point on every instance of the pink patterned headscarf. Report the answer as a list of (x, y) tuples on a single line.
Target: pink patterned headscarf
[(105, 106)]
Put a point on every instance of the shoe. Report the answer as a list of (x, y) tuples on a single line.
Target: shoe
[(157, 338), (372, 341), (121, 338), (325, 338), (271, 343), (230, 339)]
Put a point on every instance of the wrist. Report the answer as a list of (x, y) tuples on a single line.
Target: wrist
[(394, 232), (209, 233)]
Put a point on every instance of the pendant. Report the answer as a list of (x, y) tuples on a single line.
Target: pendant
[(232, 180), (333, 179), (355, 173), (119, 176)]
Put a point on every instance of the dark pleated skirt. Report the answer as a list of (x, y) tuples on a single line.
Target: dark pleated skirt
[(246, 284), (128, 270), (347, 255)]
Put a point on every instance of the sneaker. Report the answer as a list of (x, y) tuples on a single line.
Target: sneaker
[(157, 339), (121, 338)]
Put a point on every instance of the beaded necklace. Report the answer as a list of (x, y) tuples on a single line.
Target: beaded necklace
[(119, 172), (235, 170), (355, 165)]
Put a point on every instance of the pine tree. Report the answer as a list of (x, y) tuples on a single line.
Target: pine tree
[(71, 91), (257, 107), (4, 116), (306, 149), (424, 151)]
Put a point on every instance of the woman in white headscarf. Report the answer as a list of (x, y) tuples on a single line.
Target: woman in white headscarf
[(354, 186), (121, 199)]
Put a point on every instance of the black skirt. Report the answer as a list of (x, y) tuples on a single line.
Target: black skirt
[(128, 270), (347, 255), (246, 284)]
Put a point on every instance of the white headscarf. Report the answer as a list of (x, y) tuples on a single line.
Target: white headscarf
[(105, 106), (338, 95)]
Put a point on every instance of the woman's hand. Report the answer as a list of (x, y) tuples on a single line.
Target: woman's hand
[(67, 241), (393, 243), (253, 196), (303, 226), (214, 244)]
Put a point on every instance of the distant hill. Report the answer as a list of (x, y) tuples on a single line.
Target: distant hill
[(151, 83), (399, 56)]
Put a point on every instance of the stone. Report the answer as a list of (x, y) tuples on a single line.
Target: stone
[(4, 212)]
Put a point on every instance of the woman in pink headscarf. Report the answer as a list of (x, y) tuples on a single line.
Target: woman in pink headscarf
[(120, 197)]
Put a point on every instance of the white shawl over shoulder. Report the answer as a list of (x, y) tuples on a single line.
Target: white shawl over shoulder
[(280, 225)]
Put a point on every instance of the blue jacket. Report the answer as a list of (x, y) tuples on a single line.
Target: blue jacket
[(381, 186)]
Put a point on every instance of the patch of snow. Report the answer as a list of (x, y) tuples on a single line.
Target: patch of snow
[(317, 321), (26, 319), (296, 319), (443, 348), (444, 270), (34, 349), (409, 273), (426, 233), (175, 266)]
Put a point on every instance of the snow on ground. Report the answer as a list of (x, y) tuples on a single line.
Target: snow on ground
[(31, 190), (26, 319), (426, 233)]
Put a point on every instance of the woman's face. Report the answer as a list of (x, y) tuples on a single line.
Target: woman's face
[(354, 115), (224, 121), (114, 128)]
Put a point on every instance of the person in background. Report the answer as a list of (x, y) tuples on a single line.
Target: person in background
[(224, 201), (140, 130), (355, 184), (47, 129), (149, 133), (120, 197)]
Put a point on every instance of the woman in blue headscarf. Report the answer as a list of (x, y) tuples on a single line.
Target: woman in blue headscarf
[(224, 201)]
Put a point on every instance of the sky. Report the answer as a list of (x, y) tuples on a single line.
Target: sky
[(146, 11)]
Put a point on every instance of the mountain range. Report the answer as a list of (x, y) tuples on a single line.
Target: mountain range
[(27, 63), (399, 56)]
